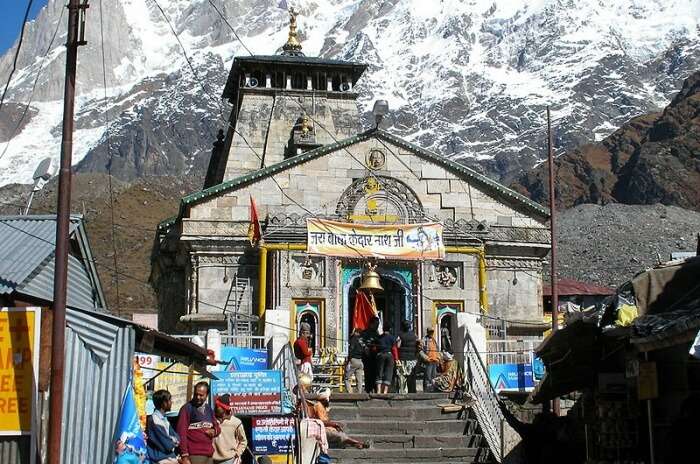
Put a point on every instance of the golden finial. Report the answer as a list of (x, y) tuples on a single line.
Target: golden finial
[(293, 45)]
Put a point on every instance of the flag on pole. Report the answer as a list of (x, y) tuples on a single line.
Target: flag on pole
[(364, 310), (254, 230), (283, 4), (129, 438)]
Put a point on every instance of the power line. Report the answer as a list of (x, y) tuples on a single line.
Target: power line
[(109, 162), (19, 46), (230, 27), (31, 94)]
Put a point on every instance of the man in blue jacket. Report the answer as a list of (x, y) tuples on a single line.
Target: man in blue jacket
[(162, 438)]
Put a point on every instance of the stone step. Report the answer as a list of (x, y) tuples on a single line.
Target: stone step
[(390, 399), (406, 455), (403, 427), (416, 441), (430, 412)]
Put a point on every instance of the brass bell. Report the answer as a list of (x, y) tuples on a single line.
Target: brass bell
[(370, 280)]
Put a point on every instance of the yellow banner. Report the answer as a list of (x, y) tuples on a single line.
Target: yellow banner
[(18, 368), (395, 241)]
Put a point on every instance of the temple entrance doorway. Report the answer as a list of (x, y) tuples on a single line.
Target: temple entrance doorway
[(394, 304)]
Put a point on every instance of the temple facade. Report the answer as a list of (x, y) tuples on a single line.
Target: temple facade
[(295, 147)]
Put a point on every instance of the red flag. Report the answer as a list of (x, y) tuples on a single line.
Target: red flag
[(254, 230), (363, 312)]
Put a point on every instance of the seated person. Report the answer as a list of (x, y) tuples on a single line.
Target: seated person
[(334, 431)]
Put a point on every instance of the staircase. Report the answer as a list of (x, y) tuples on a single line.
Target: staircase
[(407, 429)]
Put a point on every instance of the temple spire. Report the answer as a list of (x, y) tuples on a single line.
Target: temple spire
[(293, 45)]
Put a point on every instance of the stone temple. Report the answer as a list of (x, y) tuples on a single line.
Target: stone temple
[(296, 146)]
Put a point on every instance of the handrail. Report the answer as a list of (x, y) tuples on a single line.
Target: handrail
[(285, 362), (487, 410), (290, 373)]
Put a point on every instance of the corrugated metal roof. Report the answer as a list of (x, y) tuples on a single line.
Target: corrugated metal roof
[(96, 334), (81, 294), (25, 243), (94, 386)]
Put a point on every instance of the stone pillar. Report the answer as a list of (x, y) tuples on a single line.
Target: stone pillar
[(289, 82), (194, 271), (329, 84), (309, 83), (276, 333), (268, 81)]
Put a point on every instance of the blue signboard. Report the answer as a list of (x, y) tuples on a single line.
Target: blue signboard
[(243, 359), (252, 392), (273, 435), (511, 377)]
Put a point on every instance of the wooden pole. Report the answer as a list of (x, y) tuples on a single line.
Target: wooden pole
[(553, 231), (76, 10)]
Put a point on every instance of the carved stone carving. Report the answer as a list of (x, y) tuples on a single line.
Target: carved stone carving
[(445, 275), (306, 271), (380, 199)]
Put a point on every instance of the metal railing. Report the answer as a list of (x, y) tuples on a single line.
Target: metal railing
[(285, 362), (509, 351), (486, 408)]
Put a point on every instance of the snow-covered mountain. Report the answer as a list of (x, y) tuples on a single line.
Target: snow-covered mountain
[(467, 78)]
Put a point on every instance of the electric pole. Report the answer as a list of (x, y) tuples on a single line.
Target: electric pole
[(553, 231), (76, 37)]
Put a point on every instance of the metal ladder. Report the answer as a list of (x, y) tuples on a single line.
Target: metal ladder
[(237, 307)]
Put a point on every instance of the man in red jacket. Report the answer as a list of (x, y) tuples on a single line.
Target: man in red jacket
[(197, 428)]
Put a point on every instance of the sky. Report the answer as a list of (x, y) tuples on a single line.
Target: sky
[(11, 19)]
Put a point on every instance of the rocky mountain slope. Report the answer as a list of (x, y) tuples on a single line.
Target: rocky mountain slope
[(469, 79), (654, 158)]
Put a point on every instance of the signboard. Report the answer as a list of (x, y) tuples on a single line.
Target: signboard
[(243, 359), (19, 364), (647, 382), (252, 392), (273, 435), (148, 364), (511, 377), (402, 241)]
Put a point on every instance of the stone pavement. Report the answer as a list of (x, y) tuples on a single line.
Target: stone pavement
[(406, 429)]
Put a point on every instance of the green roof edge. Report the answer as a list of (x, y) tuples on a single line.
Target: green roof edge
[(490, 184)]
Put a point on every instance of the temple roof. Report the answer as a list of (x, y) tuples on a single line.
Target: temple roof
[(463, 172)]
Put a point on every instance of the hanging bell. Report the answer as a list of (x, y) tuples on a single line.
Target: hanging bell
[(370, 280)]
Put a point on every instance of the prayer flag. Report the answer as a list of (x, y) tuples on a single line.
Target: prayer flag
[(254, 231), (129, 438), (364, 310)]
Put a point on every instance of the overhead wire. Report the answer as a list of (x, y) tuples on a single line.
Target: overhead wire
[(36, 79), (19, 47), (109, 164)]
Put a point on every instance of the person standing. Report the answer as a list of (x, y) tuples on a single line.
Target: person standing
[(354, 366), (162, 438), (232, 441), (369, 337), (385, 361), (433, 359), (302, 350), (197, 428), (406, 365)]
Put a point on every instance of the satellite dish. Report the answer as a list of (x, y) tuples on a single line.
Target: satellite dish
[(345, 87), (45, 170), (252, 82)]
